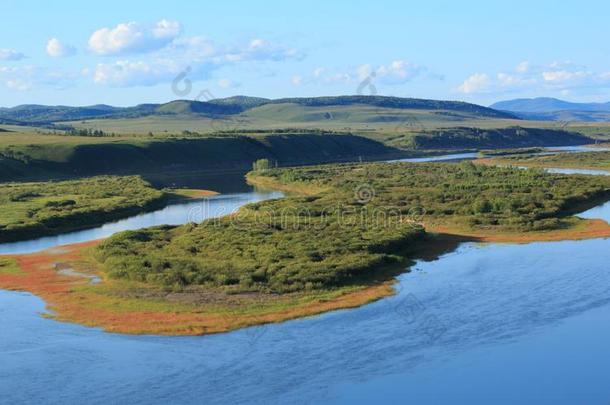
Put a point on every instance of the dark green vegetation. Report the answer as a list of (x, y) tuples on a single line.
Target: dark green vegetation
[(29, 210), (261, 165), (72, 156), (34, 157), (352, 221), (583, 160), (511, 151), (476, 138)]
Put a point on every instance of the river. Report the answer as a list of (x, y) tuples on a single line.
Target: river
[(486, 323)]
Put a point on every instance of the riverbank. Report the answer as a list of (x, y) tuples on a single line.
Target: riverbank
[(77, 289), (574, 229), (34, 210), (136, 308), (580, 161)]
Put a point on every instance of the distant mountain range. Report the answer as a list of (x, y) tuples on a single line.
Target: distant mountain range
[(552, 109), (31, 114)]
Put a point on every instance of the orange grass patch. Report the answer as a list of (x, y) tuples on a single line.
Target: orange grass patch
[(70, 302), (195, 193), (585, 229)]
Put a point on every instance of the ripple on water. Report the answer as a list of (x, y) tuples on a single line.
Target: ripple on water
[(478, 299)]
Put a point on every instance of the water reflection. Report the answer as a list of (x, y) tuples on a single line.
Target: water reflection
[(526, 322), (175, 214)]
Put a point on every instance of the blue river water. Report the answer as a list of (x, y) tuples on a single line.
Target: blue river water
[(486, 323), (175, 214)]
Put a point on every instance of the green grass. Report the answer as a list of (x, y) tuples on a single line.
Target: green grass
[(584, 160), (29, 210), (356, 220), (9, 267)]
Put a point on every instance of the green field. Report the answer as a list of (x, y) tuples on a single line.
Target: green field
[(363, 120)]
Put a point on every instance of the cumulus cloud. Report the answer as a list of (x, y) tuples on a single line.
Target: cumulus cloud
[(564, 76), (395, 72), (476, 83), (399, 71), (196, 57), (56, 49), (167, 29), (124, 73), (557, 76), (10, 54), (132, 37)]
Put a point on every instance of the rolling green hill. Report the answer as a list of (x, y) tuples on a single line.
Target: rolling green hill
[(232, 106), (552, 109), (546, 105)]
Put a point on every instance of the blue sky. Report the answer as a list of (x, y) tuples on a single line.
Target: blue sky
[(125, 53)]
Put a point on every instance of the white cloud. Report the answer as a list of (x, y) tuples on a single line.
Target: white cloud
[(317, 72), (513, 81), (523, 67), (194, 47), (18, 85), (132, 37), (364, 71), (297, 80), (563, 76), (558, 77), (399, 71), (125, 73), (227, 83), (476, 83), (11, 54), (167, 29), (197, 57), (396, 72), (23, 78), (260, 49), (56, 49)]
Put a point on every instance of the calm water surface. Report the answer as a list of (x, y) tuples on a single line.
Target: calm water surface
[(175, 214), (487, 323)]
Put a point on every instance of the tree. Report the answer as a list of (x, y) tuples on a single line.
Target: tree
[(261, 165)]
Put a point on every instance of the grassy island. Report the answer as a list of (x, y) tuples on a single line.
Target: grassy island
[(336, 241), (584, 160), (30, 210)]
